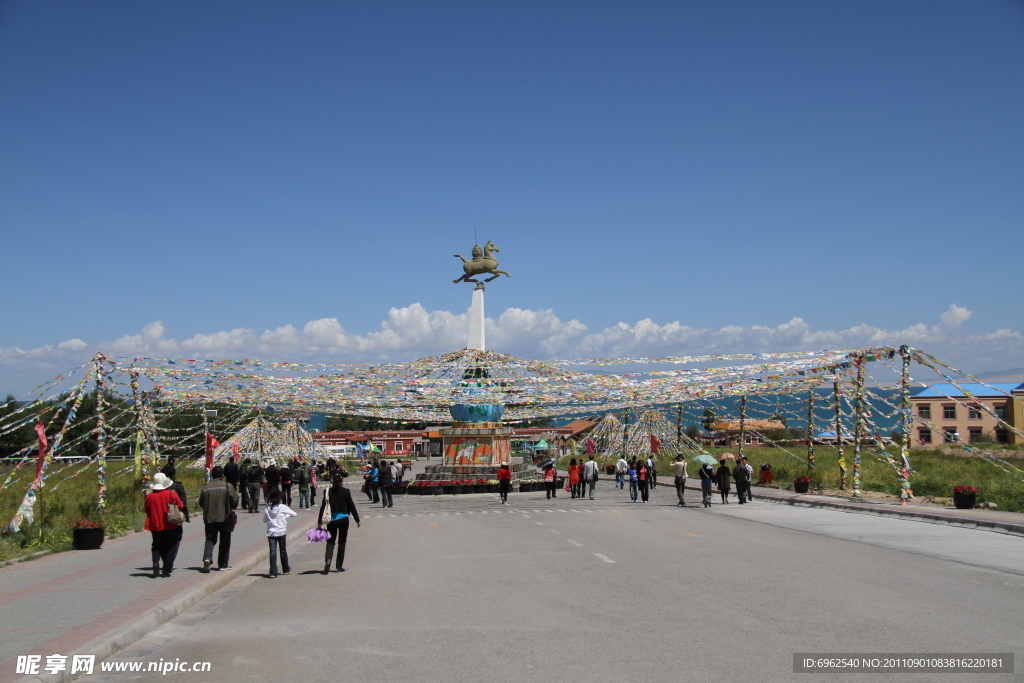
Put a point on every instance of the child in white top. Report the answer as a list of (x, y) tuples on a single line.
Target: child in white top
[(275, 516)]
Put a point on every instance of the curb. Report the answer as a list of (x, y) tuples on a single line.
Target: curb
[(911, 515), (128, 633)]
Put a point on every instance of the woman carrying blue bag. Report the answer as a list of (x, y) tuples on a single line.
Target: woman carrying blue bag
[(341, 508)]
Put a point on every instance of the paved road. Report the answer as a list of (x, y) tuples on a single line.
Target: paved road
[(465, 589)]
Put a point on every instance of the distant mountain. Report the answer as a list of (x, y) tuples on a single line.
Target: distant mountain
[(1011, 375)]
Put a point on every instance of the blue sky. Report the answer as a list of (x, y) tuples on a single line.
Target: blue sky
[(225, 179)]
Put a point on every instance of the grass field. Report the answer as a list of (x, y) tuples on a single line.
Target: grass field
[(69, 495), (935, 472)]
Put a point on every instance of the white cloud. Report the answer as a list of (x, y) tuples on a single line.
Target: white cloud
[(413, 332)]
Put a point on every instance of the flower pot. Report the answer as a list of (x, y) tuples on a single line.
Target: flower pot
[(491, 488), (88, 539), (456, 489), (437, 490), (801, 486), (964, 501)]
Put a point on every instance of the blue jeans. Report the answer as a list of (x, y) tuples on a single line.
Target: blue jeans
[(303, 498), (618, 480), (275, 542), (632, 490)]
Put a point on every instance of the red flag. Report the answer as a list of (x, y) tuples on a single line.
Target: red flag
[(211, 443), (40, 430), (234, 449), (655, 444), (590, 446)]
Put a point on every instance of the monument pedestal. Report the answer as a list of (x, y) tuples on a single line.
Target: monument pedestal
[(476, 443)]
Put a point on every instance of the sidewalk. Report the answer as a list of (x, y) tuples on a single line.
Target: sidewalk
[(986, 520), (100, 601)]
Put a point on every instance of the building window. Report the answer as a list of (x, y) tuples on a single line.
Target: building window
[(1000, 410), (973, 412), (924, 410), (1002, 436), (949, 411), (949, 435), (924, 435), (748, 439), (975, 434)]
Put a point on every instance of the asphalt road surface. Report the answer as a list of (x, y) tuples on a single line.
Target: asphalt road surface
[(465, 589)]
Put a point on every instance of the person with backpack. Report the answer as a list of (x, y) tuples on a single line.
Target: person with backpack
[(590, 473), (303, 484), (679, 467), (384, 479), (166, 533), (217, 499), (272, 477), (255, 485), (707, 475), (549, 480), (621, 468), (275, 516), (341, 508)]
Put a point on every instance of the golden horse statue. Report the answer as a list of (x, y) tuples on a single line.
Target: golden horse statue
[(483, 262)]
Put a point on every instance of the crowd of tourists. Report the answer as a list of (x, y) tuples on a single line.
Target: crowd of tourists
[(245, 484)]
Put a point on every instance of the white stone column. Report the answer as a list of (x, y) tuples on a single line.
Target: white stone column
[(476, 321)]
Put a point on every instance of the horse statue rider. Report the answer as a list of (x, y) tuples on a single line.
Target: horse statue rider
[(483, 263)]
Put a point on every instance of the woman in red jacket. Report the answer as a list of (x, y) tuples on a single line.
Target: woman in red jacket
[(504, 481), (166, 536), (574, 478)]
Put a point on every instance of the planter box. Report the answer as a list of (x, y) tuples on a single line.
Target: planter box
[(964, 501), (801, 486), (88, 539)]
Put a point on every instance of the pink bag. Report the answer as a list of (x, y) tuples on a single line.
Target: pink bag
[(317, 535)]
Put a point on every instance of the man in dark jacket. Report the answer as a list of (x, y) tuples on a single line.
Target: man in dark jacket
[(255, 473), (742, 476), (243, 482), (217, 499), (273, 477), (231, 473), (384, 480), (286, 485)]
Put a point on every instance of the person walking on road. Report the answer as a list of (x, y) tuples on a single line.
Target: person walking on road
[(589, 476), (679, 468), (375, 480), (574, 479), (342, 507), (231, 473), (217, 499), (255, 486), (302, 479), (643, 473), (742, 476), (634, 480), (272, 475), (275, 516), (549, 480), (504, 482), (621, 467), (724, 476), (707, 475), (166, 536), (652, 471), (287, 477), (384, 479), (243, 483)]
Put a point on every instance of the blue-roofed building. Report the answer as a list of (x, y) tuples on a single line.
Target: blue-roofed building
[(973, 413)]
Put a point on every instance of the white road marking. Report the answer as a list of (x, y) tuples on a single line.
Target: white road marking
[(603, 557), (575, 543), (555, 531), (538, 522)]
